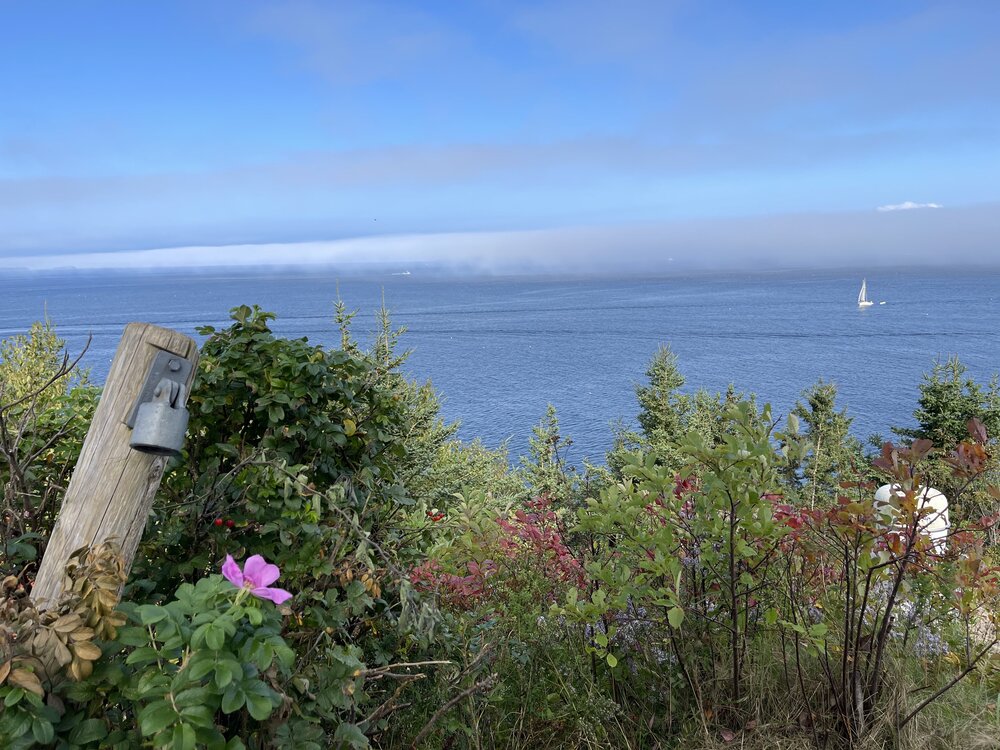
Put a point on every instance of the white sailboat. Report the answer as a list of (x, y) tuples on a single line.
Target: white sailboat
[(863, 300)]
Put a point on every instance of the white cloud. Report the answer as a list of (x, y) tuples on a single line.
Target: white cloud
[(907, 206)]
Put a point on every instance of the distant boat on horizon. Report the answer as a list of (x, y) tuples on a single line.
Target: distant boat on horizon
[(401, 273), (863, 300)]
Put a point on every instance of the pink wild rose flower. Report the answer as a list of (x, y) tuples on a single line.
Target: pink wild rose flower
[(257, 575)]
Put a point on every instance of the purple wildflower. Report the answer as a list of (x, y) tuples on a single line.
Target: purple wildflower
[(257, 575)]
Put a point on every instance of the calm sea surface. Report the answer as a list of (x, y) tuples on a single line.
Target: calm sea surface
[(499, 350)]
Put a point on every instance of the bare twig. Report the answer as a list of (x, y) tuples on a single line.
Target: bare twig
[(950, 685), (390, 703), (484, 684)]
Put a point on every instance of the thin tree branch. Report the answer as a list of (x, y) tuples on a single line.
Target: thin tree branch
[(950, 685)]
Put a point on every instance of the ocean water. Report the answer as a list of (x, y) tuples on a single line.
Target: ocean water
[(499, 350)]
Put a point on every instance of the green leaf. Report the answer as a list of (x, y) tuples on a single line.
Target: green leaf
[(818, 630), (184, 737), (14, 725), (89, 730), (771, 616), (150, 614), (612, 660), (200, 635), (142, 656), (259, 706), (263, 656), (794, 627), (351, 734), (233, 699), (17, 725), (194, 696), (215, 637), (675, 617), (42, 731), (223, 676), (156, 717), (200, 665), (133, 636), (152, 682)]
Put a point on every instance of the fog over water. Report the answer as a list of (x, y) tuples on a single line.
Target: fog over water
[(905, 236)]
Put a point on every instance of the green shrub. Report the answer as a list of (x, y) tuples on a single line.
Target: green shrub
[(46, 405)]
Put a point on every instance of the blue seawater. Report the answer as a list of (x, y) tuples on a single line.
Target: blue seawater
[(499, 350)]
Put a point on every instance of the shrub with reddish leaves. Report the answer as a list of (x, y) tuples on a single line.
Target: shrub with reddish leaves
[(524, 551), (454, 590), (534, 537)]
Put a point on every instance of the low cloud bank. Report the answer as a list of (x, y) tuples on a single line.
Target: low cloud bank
[(955, 237)]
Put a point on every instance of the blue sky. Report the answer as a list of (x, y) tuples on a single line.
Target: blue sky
[(413, 129)]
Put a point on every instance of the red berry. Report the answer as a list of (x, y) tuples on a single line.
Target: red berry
[(230, 523), (218, 522)]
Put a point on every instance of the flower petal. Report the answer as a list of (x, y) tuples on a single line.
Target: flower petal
[(232, 572), (275, 595), (259, 572)]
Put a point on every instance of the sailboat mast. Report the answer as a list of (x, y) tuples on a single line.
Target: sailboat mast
[(863, 295)]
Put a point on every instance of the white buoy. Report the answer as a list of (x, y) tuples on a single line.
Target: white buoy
[(935, 523)]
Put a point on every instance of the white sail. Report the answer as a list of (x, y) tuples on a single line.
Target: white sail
[(863, 295)]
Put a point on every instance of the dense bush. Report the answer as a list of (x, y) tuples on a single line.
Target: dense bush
[(300, 454)]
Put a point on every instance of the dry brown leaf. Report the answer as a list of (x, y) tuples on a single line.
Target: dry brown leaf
[(60, 653), (86, 650), (27, 680), (81, 670), (108, 599), (67, 623), (82, 634)]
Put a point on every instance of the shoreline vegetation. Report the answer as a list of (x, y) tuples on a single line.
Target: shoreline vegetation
[(327, 566)]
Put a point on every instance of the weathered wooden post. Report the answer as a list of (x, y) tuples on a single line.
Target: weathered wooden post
[(113, 485)]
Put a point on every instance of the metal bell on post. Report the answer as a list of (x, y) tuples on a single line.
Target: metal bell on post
[(160, 424)]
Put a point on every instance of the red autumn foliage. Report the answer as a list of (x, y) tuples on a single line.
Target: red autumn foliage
[(457, 591), (531, 546)]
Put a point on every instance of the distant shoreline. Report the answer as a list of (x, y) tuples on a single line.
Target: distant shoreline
[(433, 272)]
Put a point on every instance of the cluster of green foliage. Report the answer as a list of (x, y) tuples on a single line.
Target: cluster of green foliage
[(318, 459), (832, 453), (666, 413), (46, 405), (948, 399), (719, 578)]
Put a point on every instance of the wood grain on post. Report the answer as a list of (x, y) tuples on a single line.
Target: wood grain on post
[(113, 486)]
